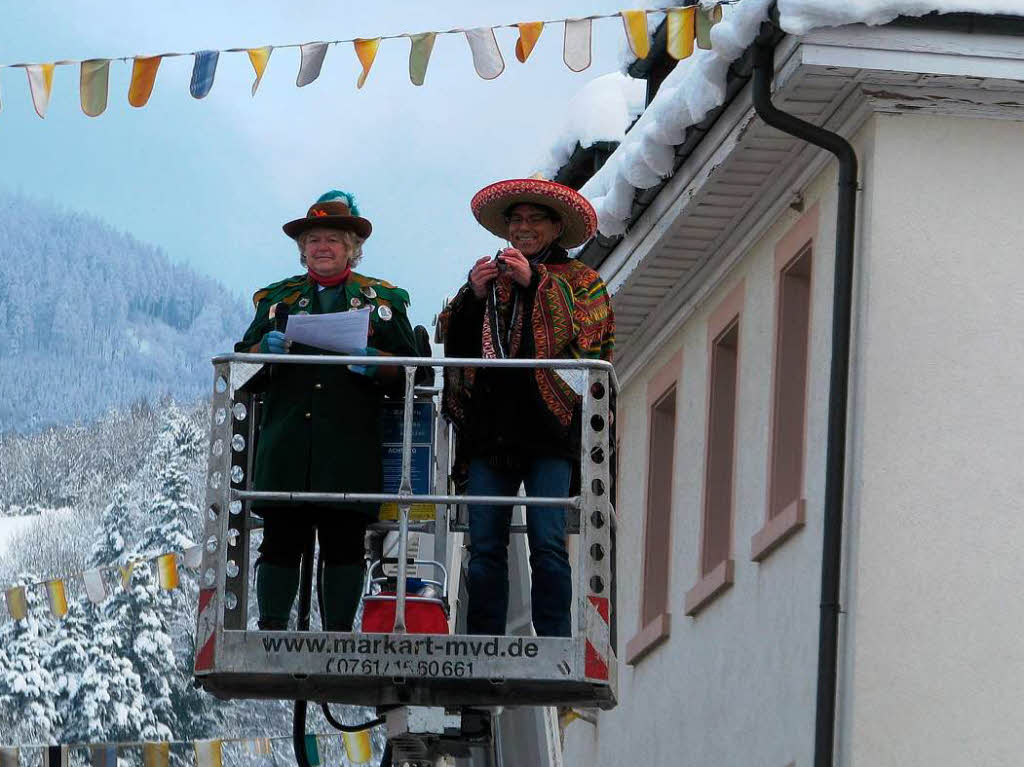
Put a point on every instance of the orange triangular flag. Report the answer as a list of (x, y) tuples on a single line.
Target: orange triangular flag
[(529, 32), (366, 50), (143, 76)]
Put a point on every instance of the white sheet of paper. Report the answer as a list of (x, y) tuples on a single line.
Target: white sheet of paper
[(343, 332)]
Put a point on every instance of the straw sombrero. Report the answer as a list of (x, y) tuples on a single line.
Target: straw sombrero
[(577, 214), (334, 210)]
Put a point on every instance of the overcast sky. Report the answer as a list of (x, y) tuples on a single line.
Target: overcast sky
[(211, 181)]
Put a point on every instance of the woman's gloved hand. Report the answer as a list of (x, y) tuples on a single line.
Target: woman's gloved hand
[(369, 371), (274, 343)]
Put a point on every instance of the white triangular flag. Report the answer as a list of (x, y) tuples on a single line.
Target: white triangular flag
[(312, 58), (95, 586), (486, 54)]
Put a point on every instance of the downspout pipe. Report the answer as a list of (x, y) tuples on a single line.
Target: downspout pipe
[(835, 459)]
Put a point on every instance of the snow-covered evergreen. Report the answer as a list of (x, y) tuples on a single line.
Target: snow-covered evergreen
[(28, 709)]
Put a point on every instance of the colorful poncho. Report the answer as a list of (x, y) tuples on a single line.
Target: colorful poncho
[(571, 317)]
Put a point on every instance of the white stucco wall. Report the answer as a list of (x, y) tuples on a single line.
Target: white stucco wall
[(935, 668), (734, 685)]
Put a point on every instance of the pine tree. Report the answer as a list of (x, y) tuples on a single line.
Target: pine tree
[(98, 691), (172, 512), (139, 614), (26, 684), (109, 547)]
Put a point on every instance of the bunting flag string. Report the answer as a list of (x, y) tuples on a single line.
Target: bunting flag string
[(208, 753), (97, 588), (687, 23)]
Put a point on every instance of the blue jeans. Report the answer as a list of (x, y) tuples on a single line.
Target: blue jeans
[(487, 583)]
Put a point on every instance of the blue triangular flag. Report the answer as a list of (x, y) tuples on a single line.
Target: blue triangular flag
[(203, 70)]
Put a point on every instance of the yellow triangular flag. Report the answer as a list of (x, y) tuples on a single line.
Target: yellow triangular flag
[(208, 753), (95, 74), (637, 36), (259, 58), (126, 574), (529, 32), (58, 599), (167, 571), (143, 76), (357, 746), (40, 83), (366, 50), (156, 754), (576, 46), (17, 604), (680, 32)]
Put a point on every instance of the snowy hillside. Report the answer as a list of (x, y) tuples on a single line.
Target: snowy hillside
[(91, 318)]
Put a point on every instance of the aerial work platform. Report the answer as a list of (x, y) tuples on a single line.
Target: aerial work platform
[(403, 667)]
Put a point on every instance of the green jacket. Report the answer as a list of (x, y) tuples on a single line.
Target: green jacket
[(319, 428)]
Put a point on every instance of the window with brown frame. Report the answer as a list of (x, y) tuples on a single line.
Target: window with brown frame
[(654, 612), (785, 513), (715, 561), (721, 442), (790, 384)]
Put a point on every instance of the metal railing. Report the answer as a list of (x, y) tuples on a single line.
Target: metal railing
[(234, 661)]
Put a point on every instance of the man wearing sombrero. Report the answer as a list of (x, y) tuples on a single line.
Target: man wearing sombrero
[(320, 424), (522, 426)]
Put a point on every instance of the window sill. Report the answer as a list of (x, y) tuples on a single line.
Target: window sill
[(709, 587), (649, 637), (778, 530)]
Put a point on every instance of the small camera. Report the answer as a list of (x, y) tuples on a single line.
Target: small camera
[(502, 266)]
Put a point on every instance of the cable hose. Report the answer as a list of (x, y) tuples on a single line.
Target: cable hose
[(349, 727)]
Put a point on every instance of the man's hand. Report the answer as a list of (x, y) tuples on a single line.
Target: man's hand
[(518, 266), (273, 343), (481, 275)]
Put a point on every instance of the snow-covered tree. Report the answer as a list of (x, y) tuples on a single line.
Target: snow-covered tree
[(26, 684), (139, 613), (109, 546), (102, 699)]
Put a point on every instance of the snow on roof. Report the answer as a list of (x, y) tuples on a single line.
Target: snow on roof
[(697, 85), (602, 111)]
